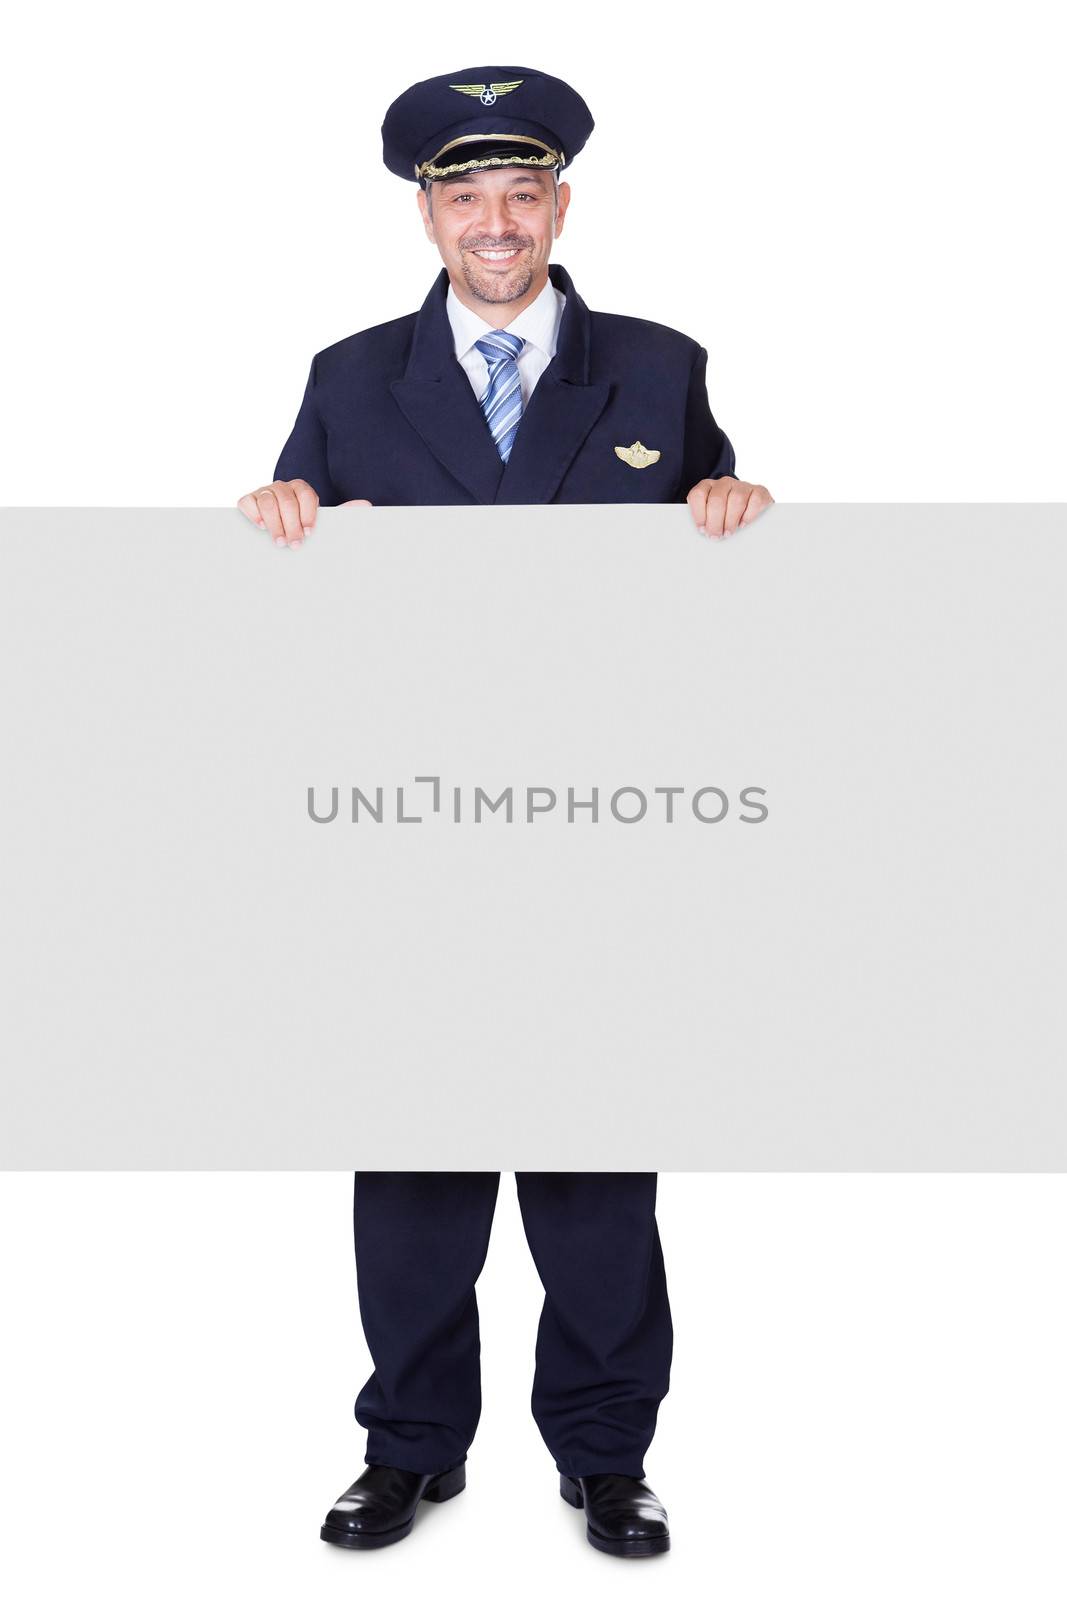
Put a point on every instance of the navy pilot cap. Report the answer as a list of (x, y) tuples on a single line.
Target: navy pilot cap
[(482, 117)]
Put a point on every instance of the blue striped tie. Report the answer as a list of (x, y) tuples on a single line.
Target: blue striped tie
[(502, 401)]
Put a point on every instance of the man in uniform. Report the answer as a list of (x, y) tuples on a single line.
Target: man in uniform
[(504, 389)]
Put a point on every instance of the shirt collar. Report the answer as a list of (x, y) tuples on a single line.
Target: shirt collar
[(538, 324)]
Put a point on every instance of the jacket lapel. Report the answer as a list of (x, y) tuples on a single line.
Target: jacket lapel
[(435, 395), (562, 409)]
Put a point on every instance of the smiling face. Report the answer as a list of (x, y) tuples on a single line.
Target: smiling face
[(495, 230)]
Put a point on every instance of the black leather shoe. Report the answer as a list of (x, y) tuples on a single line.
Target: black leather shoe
[(380, 1506), (623, 1516)]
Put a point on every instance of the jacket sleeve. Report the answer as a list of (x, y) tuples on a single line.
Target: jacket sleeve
[(707, 452), (304, 452)]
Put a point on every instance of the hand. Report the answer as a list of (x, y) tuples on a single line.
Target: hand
[(722, 505), (286, 510)]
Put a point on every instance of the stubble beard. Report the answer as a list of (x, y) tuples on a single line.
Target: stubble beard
[(497, 288)]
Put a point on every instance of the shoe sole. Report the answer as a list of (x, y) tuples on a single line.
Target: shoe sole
[(572, 1493), (443, 1487)]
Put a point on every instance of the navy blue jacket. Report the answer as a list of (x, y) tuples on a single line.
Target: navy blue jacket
[(389, 416)]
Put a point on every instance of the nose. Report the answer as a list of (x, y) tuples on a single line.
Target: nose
[(497, 218)]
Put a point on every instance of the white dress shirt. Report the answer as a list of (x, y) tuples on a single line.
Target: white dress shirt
[(538, 325)]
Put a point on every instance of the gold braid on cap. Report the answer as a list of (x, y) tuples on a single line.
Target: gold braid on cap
[(430, 169)]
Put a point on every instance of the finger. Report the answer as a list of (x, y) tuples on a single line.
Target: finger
[(307, 501), (758, 501), (733, 510), (716, 507), (289, 508), (357, 502), (271, 514), (697, 501), (248, 505)]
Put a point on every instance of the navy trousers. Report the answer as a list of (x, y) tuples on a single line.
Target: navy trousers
[(604, 1339)]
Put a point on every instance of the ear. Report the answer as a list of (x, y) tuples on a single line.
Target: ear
[(561, 206), (424, 209)]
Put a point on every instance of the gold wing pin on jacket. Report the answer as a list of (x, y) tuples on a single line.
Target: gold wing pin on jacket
[(635, 455)]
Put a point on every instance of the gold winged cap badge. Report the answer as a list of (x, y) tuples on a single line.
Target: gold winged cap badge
[(486, 92), (635, 455)]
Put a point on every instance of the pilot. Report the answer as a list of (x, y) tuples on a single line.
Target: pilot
[(505, 389)]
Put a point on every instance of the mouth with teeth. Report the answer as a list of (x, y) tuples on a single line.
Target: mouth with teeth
[(499, 257)]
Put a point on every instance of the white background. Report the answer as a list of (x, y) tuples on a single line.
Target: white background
[(857, 211), (868, 1397)]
